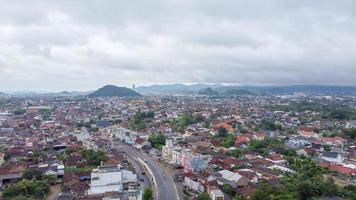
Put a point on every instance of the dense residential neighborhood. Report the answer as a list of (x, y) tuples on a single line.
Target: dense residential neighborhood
[(231, 147)]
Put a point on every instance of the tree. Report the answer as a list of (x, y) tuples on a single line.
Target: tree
[(349, 192), (11, 191), (306, 190), (328, 187), (351, 133), (51, 179), (94, 157), (185, 120), (235, 153), (157, 140), (28, 189), (268, 125), (30, 174), (228, 190), (327, 148), (222, 132), (204, 196), (228, 141), (22, 198), (147, 194)]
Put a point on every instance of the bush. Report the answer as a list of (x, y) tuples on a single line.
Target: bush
[(203, 196), (147, 194)]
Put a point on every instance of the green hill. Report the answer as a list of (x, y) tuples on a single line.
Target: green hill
[(209, 92), (237, 92), (114, 91)]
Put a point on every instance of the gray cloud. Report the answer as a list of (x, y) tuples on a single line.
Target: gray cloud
[(79, 45)]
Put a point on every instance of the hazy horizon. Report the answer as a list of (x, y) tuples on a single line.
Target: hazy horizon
[(83, 45), (24, 91)]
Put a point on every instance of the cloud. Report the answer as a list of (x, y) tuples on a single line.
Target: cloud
[(80, 45)]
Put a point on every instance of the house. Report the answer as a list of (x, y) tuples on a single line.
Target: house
[(250, 174), (155, 154), (281, 168), (191, 182), (259, 136), (307, 151), (242, 140), (343, 169), (2, 158), (351, 124), (333, 141), (297, 141), (230, 176), (307, 132), (140, 143), (332, 157), (216, 194), (346, 169), (75, 160), (10, 175), (229, 128), (232, 162), (276, 159)]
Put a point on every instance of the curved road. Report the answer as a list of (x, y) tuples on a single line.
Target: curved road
[(165, 186)]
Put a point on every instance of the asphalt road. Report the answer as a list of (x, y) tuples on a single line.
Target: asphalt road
[(165, 185), (139, 169)]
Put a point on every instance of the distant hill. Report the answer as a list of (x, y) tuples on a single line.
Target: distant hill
[(114, 91), (306, 89), (209, 92), (174, 88), (235, 91), (258, 90)]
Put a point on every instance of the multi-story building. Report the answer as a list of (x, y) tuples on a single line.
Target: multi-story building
[(191, 162), (125, 135), (113, 179)]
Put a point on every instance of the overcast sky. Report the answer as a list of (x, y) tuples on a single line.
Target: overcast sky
[(82, 45)]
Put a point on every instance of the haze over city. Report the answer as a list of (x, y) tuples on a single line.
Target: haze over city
[(83, 45), (177, 100)]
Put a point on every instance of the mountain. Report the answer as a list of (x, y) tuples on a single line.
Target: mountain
[(209, 92), (260, 90), (174, 88), (114, 91), (306, 89), (235, 91)]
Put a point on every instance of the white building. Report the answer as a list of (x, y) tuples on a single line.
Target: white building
[(230, 176), (110, 179), (125, 135), (332, 157), (216, 195)]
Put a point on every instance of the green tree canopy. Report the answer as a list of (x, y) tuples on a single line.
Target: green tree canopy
[(157, 140), (148, 194), (204, 196), (94, 157), (222, 132)]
